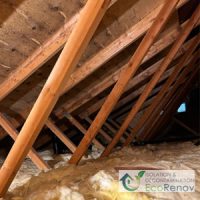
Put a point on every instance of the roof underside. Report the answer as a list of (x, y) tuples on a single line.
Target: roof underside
[(32, 34)]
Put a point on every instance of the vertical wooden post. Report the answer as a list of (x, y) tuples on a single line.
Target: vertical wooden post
[(33, 155), (124, 78), (166, 62), (89, 19), (163, 91)]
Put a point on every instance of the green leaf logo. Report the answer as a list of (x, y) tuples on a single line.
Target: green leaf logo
[(141, 174)]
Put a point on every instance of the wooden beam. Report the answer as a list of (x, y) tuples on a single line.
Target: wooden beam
[(69, 144), (112, 130), (126, 75), (33, 155), (185, 126), (142, 110), (158, 112), (40, 56), (89, 19), (114, 123), (101, 131), (51, 125), (82, 129), (136, 94), (164, 90), (166, 62)]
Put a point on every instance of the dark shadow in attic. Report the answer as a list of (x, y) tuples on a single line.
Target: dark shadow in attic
[(184, 125)]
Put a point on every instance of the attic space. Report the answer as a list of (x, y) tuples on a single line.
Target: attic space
[(99, 100)]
